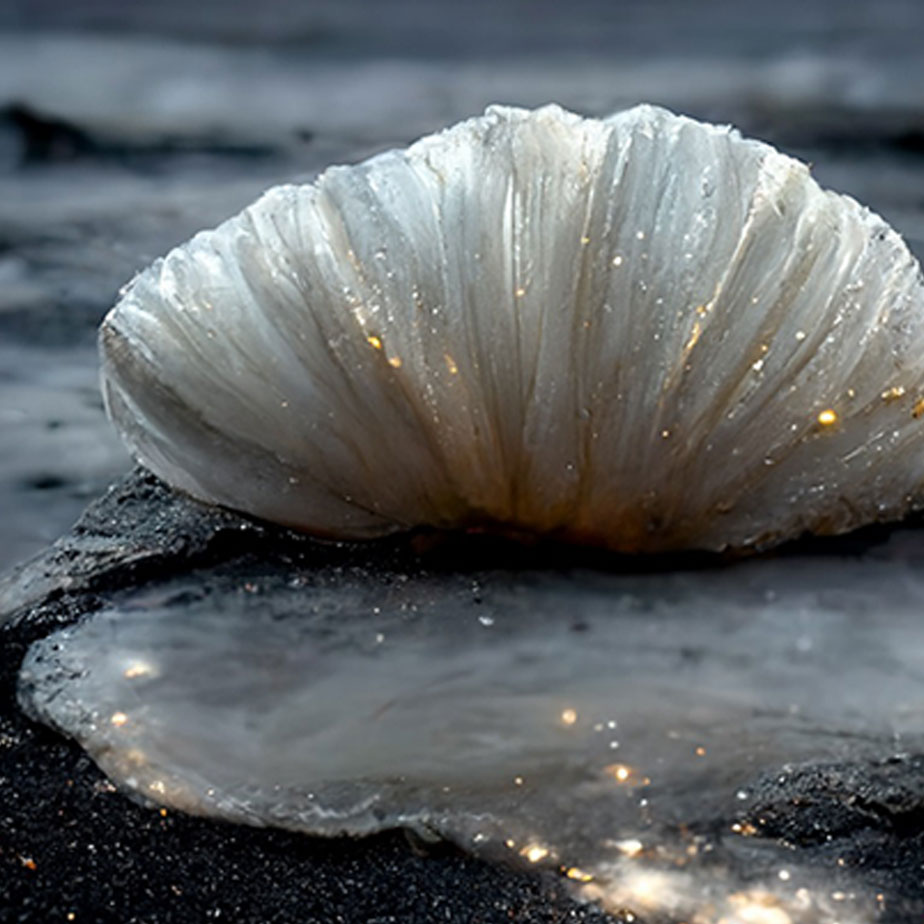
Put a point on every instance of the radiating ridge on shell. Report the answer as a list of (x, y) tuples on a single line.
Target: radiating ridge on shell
[(641, 332)]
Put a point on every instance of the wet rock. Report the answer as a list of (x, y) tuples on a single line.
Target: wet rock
[(842, 825), (69, 843)]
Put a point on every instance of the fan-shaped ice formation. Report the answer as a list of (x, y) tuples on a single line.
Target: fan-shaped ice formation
[(642, 332)]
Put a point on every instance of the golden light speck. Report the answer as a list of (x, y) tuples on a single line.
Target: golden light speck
[(665, 434), (70, 916), (756, 907), (574, 872), (630, 847), (569, 716), (137, 669), (702, 310), (451, 364), (158, 787), (394, 362), (118, 719), (744, 828), (519, 292), (827, 418), (585, 241), (648, 888), (700, 751), (620, 772), (800, 335), (534, 852), (918, 409), (694, 337), (374, 342), (518, 780), (617, 260), (891, 394), (163, 813), (510, 842), (28, 863)]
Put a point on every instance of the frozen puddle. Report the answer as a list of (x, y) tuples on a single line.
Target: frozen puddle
[(605, 726)]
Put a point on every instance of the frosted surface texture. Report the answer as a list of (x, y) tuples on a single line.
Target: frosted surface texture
[(600, 725), (642, 332)]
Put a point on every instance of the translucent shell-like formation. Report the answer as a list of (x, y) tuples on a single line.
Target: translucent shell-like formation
[(643, 332)]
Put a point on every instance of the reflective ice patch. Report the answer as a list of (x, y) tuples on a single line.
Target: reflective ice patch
[(609, 727)]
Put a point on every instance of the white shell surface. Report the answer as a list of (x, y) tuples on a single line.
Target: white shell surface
[(642, 332)]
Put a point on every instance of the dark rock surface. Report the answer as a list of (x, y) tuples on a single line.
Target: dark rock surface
[(70, 843)]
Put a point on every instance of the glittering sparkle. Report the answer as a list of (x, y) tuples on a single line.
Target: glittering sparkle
[(620, 772), (630, 847), (534, 852), (694, 337), (138, 669)]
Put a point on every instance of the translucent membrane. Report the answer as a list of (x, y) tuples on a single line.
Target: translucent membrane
[(611, 727)]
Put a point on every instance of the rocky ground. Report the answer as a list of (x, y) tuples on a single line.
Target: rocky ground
[(125, 128)]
